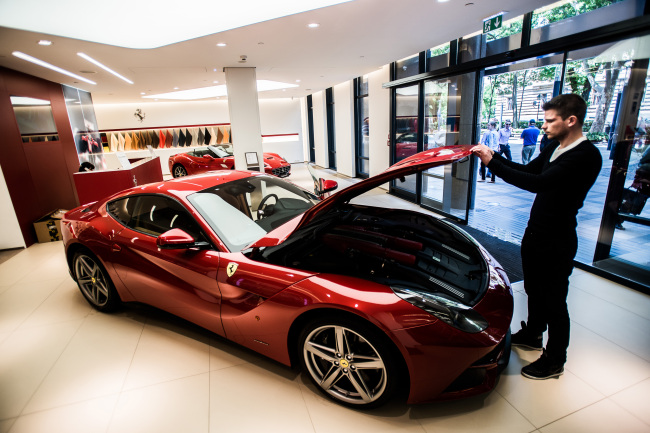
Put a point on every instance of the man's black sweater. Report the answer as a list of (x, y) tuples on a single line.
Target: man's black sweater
[(561, 186)]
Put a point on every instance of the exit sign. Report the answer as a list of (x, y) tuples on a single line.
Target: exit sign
[(492, 23)]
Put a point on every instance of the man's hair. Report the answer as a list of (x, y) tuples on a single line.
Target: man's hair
[(508, 122), (493, 123), (567, 105)]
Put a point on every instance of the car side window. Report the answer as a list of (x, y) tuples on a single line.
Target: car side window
[(122, 209), (153, 215)]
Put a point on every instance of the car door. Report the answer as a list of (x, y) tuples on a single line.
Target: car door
[(181, 281)]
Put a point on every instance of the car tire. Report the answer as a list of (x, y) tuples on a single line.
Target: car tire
[(350, 361), (94, 282), (179, 171)]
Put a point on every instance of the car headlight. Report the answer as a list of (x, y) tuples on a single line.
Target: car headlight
[(453, 313)]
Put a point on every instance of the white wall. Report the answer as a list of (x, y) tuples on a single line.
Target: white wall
[(277, 116), (10, 234), (344, 128), (379, 113)]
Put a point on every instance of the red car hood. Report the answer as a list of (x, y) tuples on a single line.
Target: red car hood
[(413, 164)]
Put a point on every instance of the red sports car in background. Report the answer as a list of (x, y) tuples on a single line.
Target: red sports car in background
[(221, 157), (367, 300)]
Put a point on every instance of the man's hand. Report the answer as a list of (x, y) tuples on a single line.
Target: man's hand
[(483, 152)]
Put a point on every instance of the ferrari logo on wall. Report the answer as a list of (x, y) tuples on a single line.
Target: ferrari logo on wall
[(231, 269)]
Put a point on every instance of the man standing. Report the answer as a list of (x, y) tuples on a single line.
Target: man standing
[(529, 135), (489, 139), (504, 137), (560, 177)]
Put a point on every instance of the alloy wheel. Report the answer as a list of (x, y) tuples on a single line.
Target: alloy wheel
[(94, 284), (346, 365), (179, 171)]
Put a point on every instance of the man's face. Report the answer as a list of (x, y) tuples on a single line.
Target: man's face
[(554, 126), (507, 125)]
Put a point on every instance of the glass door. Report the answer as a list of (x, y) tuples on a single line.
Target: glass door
[(448, 120), (405, 137)]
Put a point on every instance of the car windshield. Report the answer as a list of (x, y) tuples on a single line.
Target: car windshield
[(222, 151), (243, 211)]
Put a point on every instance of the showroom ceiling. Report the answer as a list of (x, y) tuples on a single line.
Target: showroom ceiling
[(353, 38)]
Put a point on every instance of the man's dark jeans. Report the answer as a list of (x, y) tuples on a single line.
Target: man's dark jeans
[(547, 262), (504, 149)]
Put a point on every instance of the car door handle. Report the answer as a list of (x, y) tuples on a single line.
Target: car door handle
[(116, 248)]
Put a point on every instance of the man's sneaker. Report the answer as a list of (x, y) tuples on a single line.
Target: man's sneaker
[(523, 338), (543, 368)]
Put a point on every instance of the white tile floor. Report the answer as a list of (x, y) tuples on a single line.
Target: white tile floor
[(66, 368)]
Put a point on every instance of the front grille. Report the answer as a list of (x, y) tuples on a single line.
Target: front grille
[(282, 171)]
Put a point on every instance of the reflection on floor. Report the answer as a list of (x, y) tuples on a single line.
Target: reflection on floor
[(66, 368)]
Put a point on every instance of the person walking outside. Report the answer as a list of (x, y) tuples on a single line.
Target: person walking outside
[(561, 177), (529, 135), (504, 138), (489, 138)]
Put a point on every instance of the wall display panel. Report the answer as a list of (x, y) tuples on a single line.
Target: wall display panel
[(83, 122)]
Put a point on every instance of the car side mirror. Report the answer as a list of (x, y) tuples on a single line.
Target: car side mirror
[(325, 186), (177, 239), (208, 157)]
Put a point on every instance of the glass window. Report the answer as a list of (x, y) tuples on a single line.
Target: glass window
[(505, 38), (35, 119), (601, 75), (438, 57), (363, 142), (567, 17), (471, 47), (407, 67), (153, 215), (243, 211)]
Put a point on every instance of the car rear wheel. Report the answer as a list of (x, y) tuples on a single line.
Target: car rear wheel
[(179, 171), (94, 282), (349, 361)]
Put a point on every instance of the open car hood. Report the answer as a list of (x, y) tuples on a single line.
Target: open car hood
[(411, 165)]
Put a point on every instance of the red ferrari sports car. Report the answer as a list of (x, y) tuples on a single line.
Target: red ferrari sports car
[(367, 300), (221, 158)]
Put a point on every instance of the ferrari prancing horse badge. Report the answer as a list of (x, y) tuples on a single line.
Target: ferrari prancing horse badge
[(231, 269)]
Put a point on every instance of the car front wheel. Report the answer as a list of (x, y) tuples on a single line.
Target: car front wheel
[(94, 282), (349, 361), (179, 171)]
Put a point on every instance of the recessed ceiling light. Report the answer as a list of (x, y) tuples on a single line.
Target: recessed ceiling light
[(297, 81), (143, 93), (313, 25), (215, 82), (176, 88), (44, 42), (221, 44), (104, 67), (50, 66), (443, 1)]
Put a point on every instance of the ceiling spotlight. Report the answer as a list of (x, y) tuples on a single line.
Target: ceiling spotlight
[(176, 88), (221, 44), (313, 25), (44, 42)]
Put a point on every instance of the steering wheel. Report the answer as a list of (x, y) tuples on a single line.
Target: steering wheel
[(262, 208)]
